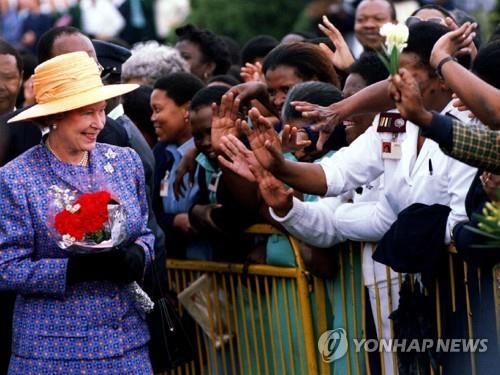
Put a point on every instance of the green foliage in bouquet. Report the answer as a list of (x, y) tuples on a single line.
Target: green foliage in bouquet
[(99, 236), (488, 226)]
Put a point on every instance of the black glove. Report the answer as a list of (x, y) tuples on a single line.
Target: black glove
[(122, 264)]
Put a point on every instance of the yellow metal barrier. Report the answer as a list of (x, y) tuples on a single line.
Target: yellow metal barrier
[(268, 309), (273, 316)]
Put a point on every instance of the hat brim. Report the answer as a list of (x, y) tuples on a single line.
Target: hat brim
[(79, 100)]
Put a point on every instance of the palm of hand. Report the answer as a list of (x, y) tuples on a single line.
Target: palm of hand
[(252, 72), (263, 155), (224, 119), (342, 57), (222, 126), (240, 165), (274, 192)]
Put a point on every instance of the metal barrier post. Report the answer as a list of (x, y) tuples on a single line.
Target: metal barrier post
[(305, 305)]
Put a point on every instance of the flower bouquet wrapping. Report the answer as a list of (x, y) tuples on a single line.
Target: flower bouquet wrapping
[(396, 37), (93, 222)]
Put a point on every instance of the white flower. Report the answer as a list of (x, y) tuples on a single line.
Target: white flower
[(62, 198), (395, 35), (73, 209), (68, 239), (109, 168), (110, 154)]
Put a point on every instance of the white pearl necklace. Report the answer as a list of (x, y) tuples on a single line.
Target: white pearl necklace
[(84, 162)]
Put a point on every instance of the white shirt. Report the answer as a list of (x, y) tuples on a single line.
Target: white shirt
[(404, 182), (313, 222), (409, 180)]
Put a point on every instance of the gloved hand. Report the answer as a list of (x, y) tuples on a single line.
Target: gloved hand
[(122, 264)]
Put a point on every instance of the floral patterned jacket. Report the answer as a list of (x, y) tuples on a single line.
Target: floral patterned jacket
[(53, 320)]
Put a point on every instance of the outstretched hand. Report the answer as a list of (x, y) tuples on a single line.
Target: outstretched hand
[(325, 118), (342, 57), (252, 72), (293, 140), (264, 141), (273, 191), (459, 105), (224, 119), (239, 157), (456, 42), (405, 91)]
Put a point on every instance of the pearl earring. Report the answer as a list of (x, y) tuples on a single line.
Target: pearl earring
[(54, 126)]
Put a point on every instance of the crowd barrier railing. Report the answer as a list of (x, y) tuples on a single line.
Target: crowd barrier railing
[(264, 319)]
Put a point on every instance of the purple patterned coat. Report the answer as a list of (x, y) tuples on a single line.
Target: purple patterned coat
[(52, 320)]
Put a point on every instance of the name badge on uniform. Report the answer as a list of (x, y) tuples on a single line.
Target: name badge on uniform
[(164, 186), (214, 182), (391, 150), (391, 122)]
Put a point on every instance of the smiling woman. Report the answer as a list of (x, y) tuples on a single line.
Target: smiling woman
[(72, 305), (74, 133), (73, 109), (170, 104)]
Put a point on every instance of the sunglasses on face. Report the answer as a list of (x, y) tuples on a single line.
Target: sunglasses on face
[(412, 20)]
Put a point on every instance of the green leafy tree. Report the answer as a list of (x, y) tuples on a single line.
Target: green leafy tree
[(243, 19)]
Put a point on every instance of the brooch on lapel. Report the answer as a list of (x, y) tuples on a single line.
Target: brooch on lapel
[(110, 154)]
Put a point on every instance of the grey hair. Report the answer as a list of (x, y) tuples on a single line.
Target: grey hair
[(151, 61)]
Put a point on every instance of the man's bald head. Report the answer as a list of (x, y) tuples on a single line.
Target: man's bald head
[(60, 40)]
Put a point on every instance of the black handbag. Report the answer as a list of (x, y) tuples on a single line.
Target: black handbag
[(171, 342)]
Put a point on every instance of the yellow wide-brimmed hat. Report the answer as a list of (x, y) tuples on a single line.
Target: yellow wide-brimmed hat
[(67, 82)]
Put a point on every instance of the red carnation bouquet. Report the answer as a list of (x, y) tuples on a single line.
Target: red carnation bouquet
[(91, 222)]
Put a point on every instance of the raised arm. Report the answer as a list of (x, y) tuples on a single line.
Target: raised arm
[(371, 99), (481, 98), (247, 92), (470, 144), (304, 177)]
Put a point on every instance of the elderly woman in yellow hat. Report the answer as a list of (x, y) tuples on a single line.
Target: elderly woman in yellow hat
[(74, 312)]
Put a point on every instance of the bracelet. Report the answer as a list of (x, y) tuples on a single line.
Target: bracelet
[(441, 63)]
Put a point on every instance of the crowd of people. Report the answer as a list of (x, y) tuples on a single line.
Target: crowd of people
[(200, 140)]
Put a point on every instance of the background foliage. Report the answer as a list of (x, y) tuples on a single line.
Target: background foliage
[(243, 19)]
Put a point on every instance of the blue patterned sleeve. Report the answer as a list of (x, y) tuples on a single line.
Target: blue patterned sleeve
[(19, 272), (146, 239)]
